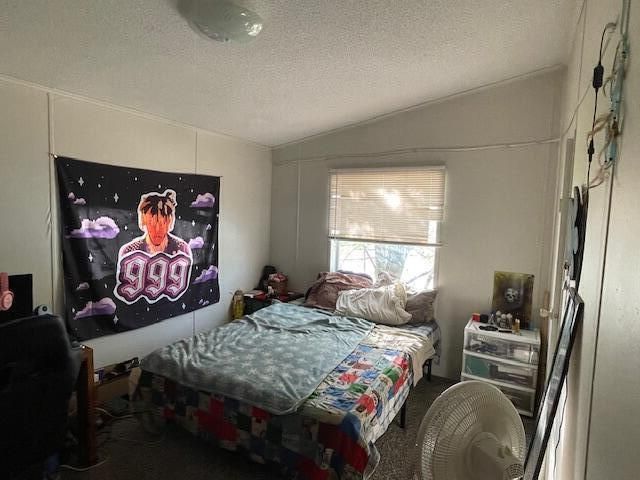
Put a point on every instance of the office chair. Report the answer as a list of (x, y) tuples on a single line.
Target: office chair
[(38, 371)]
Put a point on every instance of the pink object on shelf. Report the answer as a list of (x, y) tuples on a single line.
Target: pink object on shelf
[(6, 295)]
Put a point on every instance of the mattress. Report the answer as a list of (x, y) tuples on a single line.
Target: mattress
[(333, 433), (430, 330)]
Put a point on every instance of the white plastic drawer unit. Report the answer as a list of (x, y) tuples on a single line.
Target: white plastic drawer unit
[(520, 348), (487, 367), (522, 399), (507, 360)]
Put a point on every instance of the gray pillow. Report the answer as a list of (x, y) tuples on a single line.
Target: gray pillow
[(420, 306)]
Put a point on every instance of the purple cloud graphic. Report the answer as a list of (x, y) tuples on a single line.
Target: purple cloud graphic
[(79, 201), (206, 200), (82, 286), (71, 196), (103, 307), (195, 243), (102, 227), (207, 275)]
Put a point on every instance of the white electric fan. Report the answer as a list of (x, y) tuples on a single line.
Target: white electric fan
[(471, 432)]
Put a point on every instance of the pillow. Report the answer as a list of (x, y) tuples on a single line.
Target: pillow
[(420, 306), (381, 305), (324, 291)]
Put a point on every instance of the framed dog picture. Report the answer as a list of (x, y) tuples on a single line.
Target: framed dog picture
[(513, 293)]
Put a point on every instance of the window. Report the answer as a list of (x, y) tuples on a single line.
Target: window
[(387, 220)]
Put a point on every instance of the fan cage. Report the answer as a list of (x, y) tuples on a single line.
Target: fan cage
[(454, 419)]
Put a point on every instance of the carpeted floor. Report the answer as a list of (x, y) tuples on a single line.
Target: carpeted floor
[(133, 454)]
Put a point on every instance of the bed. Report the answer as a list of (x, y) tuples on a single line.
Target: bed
[(313, 415)]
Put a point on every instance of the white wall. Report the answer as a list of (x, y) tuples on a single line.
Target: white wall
[(601, 431), (499, 201), (96, 132)]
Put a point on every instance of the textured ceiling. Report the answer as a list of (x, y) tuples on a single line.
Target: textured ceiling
[(318, 65)]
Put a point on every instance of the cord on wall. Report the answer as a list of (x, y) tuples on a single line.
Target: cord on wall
[(610, 122), (624, 25), (597, 82), (400, 151)]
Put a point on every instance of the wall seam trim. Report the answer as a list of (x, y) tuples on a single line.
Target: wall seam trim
[(52, 224), (195, 170), (299, 181)]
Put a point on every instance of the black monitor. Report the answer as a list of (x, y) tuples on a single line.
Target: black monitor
[(22, 288)]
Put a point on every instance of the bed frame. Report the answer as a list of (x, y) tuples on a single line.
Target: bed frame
[(403, 409)]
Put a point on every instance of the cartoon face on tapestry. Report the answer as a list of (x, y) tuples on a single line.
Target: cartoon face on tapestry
[(139, 246), (157, 264), (156, 218)]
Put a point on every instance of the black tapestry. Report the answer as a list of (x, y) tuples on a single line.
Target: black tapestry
[(138, 246)]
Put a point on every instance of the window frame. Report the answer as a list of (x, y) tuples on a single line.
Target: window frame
[(436, 246)]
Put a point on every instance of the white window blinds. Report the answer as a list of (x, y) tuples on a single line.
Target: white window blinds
[(401, 205)]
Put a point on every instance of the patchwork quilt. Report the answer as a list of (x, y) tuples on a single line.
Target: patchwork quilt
[(330, 436)]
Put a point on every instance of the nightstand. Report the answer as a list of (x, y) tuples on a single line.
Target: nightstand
[(507, 360), (256, 302)]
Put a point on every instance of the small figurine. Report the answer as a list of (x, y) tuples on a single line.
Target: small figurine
[(237, 305), (503, 322), (516, 326)]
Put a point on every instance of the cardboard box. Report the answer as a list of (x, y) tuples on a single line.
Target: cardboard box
[(111, 389), (114, 380)]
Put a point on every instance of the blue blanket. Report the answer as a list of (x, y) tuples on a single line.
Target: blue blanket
[(273, 359)]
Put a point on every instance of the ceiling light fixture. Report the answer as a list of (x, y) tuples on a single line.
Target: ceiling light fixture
[(222, 21)]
